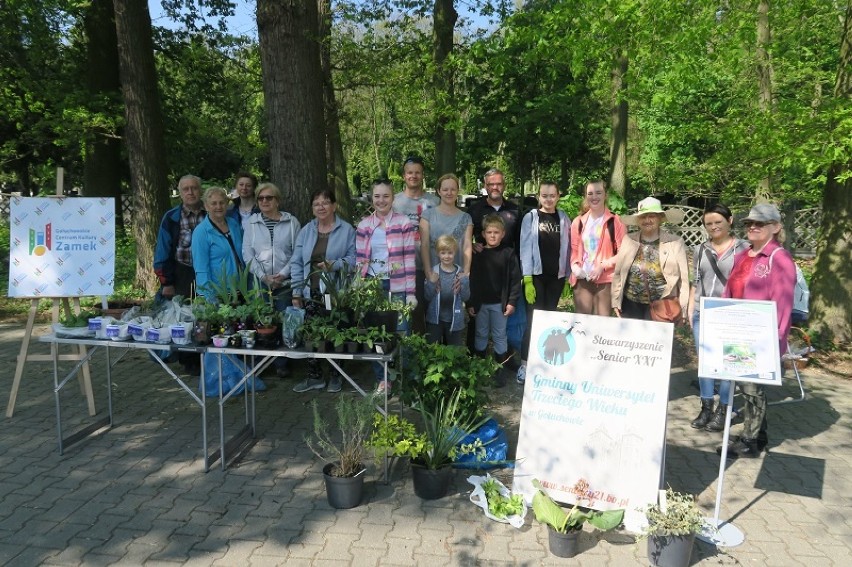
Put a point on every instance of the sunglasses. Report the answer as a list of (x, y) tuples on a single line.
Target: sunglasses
[(413, 159), (266, 198), (755, 224), (382, 181)]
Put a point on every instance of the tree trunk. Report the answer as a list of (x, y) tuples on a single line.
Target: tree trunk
[(764, 79), (831, 286), (444, 17), (102, 163), (333, 142), (143, 132), (618, 144), (293, 94)]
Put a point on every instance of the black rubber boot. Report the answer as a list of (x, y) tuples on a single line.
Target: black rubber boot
[(705, 416), (746, 448), (717, 423), (762, 440), (499, 376)]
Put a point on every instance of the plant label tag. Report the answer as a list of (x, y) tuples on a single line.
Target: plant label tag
[(663, 501)]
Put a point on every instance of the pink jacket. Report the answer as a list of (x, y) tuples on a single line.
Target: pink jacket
[(605, 250), (771, 280), (401, 249)]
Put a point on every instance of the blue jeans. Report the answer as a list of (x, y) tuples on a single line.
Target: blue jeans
[(708, 385)]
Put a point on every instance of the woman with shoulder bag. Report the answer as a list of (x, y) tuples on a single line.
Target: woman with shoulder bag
[(712, 262), (651, 278)]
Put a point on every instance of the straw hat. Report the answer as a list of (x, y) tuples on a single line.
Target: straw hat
[(652, 206)]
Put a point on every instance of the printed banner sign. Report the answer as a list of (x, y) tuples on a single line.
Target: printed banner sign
[(739, 341), (61, 247), (594, 411)]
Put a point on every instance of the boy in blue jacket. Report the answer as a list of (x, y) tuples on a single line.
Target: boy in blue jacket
[(445, 312)]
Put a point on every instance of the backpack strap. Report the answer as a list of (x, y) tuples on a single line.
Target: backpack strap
[(610, 223)]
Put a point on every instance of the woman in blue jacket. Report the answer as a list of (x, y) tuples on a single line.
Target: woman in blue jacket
[(545, 251), (216, 244), (325, 244)]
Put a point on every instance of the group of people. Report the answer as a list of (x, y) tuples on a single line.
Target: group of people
[(478, 268)]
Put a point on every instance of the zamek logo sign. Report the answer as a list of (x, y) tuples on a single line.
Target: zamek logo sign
[(41, 241)]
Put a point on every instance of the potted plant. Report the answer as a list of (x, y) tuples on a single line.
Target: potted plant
[(207, 321), (343, 451), (316, 331), (564, 527), (442, 368), (672, 526)]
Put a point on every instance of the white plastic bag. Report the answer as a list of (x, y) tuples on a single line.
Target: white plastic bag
[(478, 498)]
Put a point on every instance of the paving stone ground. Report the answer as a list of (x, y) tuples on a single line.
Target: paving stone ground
[(137, 494)]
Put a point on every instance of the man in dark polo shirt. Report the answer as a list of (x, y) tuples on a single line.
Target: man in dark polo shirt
[(494, 202)]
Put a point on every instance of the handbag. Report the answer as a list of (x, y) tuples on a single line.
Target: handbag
[(665, 310)]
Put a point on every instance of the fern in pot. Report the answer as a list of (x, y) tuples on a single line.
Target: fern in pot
[(673, 523)]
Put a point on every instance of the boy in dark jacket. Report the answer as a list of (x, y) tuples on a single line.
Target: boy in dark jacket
[(495, 284)]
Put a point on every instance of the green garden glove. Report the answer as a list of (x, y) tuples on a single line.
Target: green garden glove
[(529, 290)]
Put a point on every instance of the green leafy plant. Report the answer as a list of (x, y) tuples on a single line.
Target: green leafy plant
[(438, 369), (346, 446), (677, 515), (372, 335), (395, 436), (204, 310), (547, 511), (437, 445), (501, 506), (445, 426)]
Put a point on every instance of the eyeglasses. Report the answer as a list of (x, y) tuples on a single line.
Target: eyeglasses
[(262, 198), (413, 159), (325, 203)]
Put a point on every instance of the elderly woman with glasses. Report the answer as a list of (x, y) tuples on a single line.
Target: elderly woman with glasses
[(325, 244), (766, 272)]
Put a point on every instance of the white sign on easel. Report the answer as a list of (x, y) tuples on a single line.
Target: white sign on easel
[(594, 410), (738, 341), (61, 247)]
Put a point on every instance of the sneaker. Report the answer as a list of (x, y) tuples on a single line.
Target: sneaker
[(522, 373), (309, 384), (383, 386), (335, 384)]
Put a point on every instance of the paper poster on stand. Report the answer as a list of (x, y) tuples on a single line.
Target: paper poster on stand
[(739, 341), (61, 247), (594, 410)]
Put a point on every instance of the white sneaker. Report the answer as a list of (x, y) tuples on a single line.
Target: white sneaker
[(309, 384), (522, 373), (335, 384)]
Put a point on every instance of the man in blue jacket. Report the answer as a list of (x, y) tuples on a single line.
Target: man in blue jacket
[(173, 255)]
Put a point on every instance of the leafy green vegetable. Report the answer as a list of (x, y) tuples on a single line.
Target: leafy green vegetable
[(499, 505), (80, 320)]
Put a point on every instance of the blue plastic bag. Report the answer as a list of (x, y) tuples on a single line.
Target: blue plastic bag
[(496, 446), (233, 371)]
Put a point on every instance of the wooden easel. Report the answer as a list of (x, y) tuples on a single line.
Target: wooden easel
[(24, 356)]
